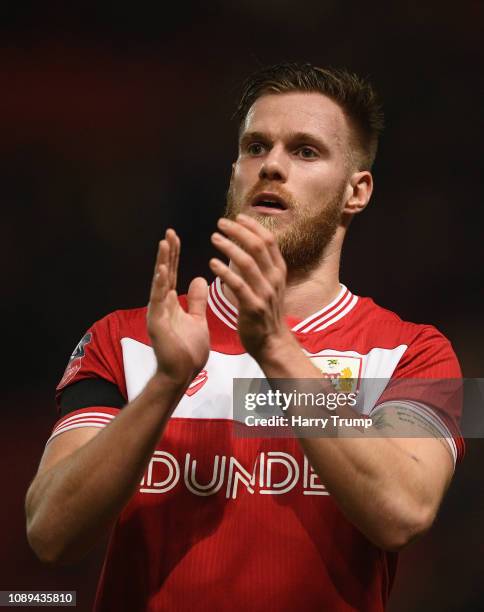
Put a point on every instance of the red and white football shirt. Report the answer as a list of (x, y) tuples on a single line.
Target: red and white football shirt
[(225, 522)]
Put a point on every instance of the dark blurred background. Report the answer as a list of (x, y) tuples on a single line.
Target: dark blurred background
[(115, 123)]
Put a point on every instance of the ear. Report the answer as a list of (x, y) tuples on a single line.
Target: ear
[(360, 189)]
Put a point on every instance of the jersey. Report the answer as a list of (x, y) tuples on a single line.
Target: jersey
[(221, 521)]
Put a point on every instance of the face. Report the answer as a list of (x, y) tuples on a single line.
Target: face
[(292, 172)]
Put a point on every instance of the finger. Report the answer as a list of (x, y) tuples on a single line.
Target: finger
[(246, 297), (250, 240), (171, 301), (159, 287), (197, 297), (176, 261), (245, 263), (173, 256), (266, 235), (161, 255)]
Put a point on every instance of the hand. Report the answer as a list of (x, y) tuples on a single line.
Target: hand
[(180, 339), (257, 279)]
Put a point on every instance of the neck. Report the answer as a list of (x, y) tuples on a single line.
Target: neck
[(308, 291)]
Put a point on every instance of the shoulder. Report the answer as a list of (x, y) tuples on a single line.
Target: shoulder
[(123, 318), (99, 352), (423, 342), (383, 322), (126, 322), (119, 324)]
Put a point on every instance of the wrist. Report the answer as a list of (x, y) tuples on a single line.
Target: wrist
[(162, 385), (278, 351)]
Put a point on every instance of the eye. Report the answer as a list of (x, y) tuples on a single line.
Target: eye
[(306, 153), (255, 148)]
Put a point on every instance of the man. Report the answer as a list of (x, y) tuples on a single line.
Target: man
[(221, 521)]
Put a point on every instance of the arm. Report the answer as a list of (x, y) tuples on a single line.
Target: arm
[(85, 478), (390, 488)]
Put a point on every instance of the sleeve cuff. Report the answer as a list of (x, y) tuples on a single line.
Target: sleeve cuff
[(95, 416), (455, 443)]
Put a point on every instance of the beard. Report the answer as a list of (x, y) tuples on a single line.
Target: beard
[(304, 242)]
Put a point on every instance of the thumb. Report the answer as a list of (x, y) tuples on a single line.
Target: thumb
[(197, 297)]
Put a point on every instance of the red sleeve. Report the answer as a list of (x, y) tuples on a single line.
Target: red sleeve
[(98, 355), (429, 377), (429, 355)]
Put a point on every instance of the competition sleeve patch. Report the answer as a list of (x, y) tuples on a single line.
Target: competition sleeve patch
[(97, 356), (90, 392), (75, 361)]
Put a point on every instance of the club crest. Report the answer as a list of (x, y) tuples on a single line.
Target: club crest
[(344, 372)]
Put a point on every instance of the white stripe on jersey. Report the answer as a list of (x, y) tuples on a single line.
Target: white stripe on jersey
[(321, 319)]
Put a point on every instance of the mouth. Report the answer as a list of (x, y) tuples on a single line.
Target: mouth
[(268, 203)]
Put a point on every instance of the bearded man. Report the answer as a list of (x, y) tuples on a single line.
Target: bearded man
[(203, 517)]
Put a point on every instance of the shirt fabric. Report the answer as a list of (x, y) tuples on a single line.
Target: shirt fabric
[(224, 521)]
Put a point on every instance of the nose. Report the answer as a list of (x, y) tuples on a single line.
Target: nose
[(273, 167)]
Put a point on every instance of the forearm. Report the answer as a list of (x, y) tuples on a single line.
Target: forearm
[(380, 486), (376, 484), (70, 505)]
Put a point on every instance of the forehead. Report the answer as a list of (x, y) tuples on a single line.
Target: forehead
[(282, 114)]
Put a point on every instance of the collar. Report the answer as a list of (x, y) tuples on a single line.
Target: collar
[(344, 302)]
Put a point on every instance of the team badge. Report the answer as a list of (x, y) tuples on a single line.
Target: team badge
[(75, 360), (344, 372)]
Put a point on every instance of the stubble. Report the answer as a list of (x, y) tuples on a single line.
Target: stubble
[(305, 241)]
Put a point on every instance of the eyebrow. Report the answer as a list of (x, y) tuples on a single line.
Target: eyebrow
[(293, 137)]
